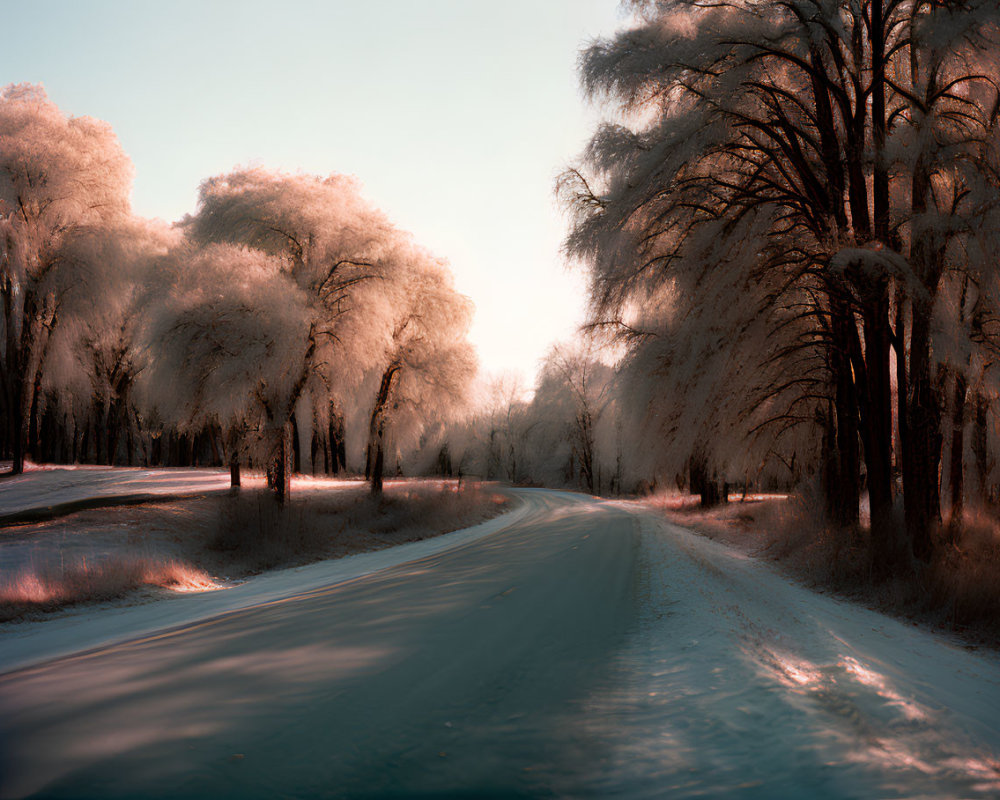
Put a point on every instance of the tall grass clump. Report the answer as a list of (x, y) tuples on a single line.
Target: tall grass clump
[(53, 586)]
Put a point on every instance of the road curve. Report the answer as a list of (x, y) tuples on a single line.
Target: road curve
[(586, 651), (450, 672)]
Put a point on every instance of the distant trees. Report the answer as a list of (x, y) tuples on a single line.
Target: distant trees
[(291, 287), (567, 432), (320, 243), (572, 399), (503, 427), (220, 334), (101, 343), (830, 166)]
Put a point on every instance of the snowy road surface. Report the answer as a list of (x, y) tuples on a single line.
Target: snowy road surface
[(584, 650)]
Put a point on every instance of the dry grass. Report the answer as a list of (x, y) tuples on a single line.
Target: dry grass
[(54, 586), (180, 545), (963, 582), (958, 591), (255, 533)]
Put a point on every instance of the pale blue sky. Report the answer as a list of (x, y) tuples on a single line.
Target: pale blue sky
[(456, 116)]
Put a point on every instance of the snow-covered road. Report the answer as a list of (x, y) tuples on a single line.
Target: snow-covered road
[(583, 650)]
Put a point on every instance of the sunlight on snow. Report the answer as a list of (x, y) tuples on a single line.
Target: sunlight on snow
[(869, 677), (185, 580), (908, 739)]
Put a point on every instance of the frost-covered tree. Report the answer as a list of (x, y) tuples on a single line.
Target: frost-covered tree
[(729, 392), (426, 367), (60, 177), (222, 335), (843, 135), (288, 296), (494, 442), (98, 352), (570, 408), (323, 249)]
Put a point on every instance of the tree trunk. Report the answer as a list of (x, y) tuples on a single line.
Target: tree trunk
[(129, 444), (116, 419), (19, 427), (899, 345), (957, 455), (231, 450), (921, 487), (336, 441), (844, 497), (980, 446), (888, 549), (214, 443), (375, 457), (871, 370), (296, 447), (279, 469), (377, 467), (34, 428), (706, 484), (17, 439), (829, 465)]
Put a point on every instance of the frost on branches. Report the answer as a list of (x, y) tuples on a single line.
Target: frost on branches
[(253, 331), (790, 224)]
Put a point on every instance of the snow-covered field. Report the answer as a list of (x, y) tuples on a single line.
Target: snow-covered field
[(47, 495), (41, 488)]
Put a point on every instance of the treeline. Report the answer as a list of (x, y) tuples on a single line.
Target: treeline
[(792, 230), (286, 324), (583, 426), (564, 432)]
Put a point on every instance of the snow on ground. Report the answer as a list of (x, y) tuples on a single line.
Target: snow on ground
[(772, 690), (496, 665), (41, 487), (65, 537), (45, 487)]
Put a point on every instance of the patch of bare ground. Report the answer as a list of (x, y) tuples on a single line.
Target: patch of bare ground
[(957, 592), (208, 542)]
